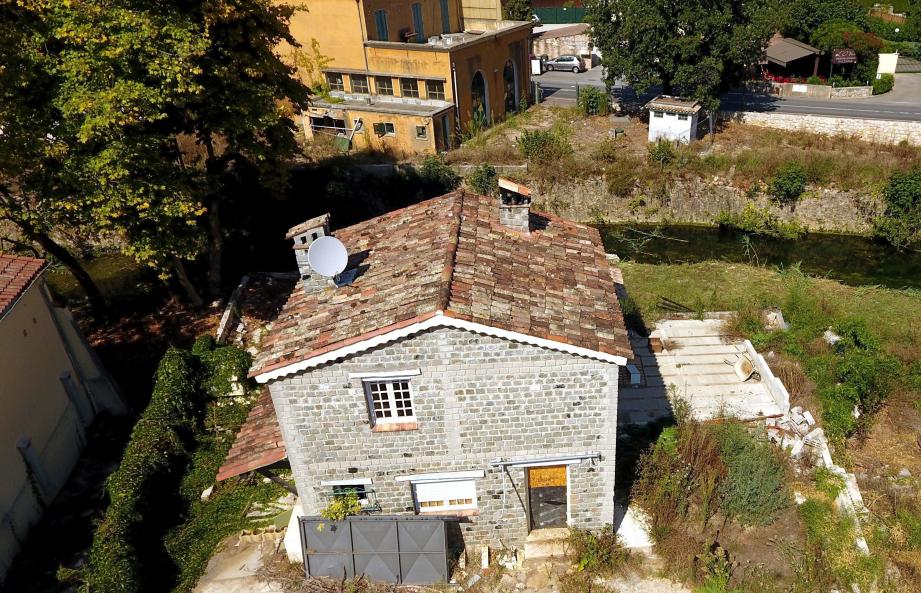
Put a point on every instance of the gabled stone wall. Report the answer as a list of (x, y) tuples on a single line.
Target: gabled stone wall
[(478, 398)]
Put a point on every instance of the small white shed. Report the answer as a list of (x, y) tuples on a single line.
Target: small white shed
[(673, 118)]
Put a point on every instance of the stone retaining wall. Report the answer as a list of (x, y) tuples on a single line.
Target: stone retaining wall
[(870, 130), (819, 91), (696, 200)]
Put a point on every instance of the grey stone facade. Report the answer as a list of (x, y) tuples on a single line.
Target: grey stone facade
[(478, 398)]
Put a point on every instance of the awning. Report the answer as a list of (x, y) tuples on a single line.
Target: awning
[(564, 459), (259, 443)]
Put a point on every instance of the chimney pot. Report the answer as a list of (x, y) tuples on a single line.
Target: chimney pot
[(514, 205)]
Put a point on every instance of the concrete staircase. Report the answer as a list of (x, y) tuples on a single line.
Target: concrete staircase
[(546, 543)]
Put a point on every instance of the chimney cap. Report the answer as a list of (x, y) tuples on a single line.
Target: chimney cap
[(513, 187), (321, 221)]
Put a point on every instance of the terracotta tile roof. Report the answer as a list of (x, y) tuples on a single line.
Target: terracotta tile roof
[(674, 105), (450, 254), (16, 274), (259, 442)]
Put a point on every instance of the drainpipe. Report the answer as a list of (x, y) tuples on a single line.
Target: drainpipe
[(364, 49), (456, 102)]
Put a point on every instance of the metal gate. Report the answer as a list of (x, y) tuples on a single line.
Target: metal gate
[(395, 549)]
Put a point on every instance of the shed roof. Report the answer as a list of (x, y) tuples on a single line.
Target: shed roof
[(674, 104), (259, 442), (16, 275), (783, 50), (450, 257)]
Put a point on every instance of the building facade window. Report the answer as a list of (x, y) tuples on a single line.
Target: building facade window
[(657, 114), (422, 132), (683, 116), (445, 17), (435, 89), (435, 497), (383, 85), (360, 84), (380, 22), (409, 87), (418, 25), (390, 400), (334, 80)]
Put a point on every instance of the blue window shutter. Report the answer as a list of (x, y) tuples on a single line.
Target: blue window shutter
[(417, 22), (380, 18), (445, 17)]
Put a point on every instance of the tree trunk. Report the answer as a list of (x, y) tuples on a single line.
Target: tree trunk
[(187, 286), (97, 301), (666, 86), (215, 237)]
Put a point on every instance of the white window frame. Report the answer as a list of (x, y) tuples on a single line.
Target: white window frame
[(389, 379), (683, 116), (658, 114), (447, 506), (392, 131)]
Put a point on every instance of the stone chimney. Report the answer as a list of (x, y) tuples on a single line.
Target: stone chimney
[(514, 205), (303, 236)]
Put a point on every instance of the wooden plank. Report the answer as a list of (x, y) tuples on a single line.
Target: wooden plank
[(545, 477)]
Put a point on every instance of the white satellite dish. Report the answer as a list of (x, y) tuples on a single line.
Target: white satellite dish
[(327, 256)]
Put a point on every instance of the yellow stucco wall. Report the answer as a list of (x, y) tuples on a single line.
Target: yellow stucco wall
[(489, 57), (34, 404), (400, 17), (404, 141), (336, 27)]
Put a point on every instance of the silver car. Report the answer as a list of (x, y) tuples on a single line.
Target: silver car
[(571, 63)]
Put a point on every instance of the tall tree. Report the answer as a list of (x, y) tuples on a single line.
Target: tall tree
[(698, 48), (240, 112), (121, 65), (33, 148), (803, 17), (517, 10)]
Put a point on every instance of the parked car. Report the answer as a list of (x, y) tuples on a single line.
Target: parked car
[(572, 63)]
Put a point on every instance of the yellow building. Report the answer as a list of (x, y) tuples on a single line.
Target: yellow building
[(406, 77)]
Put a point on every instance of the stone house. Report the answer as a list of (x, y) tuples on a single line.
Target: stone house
[(465, 363)]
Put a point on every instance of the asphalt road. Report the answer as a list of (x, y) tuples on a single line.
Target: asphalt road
[(903, 103)]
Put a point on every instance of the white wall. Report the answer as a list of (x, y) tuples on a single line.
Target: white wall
[(671, 128), (887, 63), (33, 404)]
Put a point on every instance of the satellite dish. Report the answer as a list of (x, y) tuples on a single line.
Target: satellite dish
[(327, 256)]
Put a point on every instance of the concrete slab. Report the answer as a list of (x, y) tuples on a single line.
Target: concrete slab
[(235, 570), (696, 363)]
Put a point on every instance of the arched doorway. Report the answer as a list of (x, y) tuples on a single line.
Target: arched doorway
[(479, 101), (510, 83)]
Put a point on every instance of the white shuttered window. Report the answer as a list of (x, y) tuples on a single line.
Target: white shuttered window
[(455, 495)]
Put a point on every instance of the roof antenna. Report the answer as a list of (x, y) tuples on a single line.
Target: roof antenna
[(328, 257)]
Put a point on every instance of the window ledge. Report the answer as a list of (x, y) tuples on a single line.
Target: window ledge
[(460, 513), (394, 426)]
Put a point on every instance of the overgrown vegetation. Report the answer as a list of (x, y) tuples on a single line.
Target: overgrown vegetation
[(342, 506), (901, 223), (759, 221), (543, 146), (484, 180), (594, 101), (788, 183), (157, 534)]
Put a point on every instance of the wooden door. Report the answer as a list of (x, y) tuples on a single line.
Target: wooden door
[(547, 496)]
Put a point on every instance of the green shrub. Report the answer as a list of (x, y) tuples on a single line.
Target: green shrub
[(855, 336), (755, 488), (788, 183), (543, 146), (814, 80), (596, 552), (901, 223), (606, 151), (484, 180), (342, 506), (838, 402), (437, 176), (871, 375), (594, 101), (759, 221), (661, 152), (883, 84)]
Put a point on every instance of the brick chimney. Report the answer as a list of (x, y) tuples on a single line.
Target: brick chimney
[(303, 236), (514, 205)]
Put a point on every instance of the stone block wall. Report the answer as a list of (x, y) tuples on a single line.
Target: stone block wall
[(478, 398), (870, 130)]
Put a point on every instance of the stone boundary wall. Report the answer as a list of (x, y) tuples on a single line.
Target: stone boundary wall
[(819, 91), (869, 130)]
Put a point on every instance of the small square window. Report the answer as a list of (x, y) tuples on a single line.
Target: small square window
[(360, 84), (409, 87), (422, 132), (384, 85), (657, 114), (360, 490), (453, 495), (390, 401), (384, 129), (683, 116), (334, 80), (435, 89)]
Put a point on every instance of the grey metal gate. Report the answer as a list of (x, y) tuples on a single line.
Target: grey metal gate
[(395, 549)]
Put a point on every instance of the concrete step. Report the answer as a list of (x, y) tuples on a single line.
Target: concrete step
[(546, 543), (713, 349)]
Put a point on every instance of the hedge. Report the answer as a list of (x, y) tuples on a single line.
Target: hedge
[(143, 480), (883, 84)]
